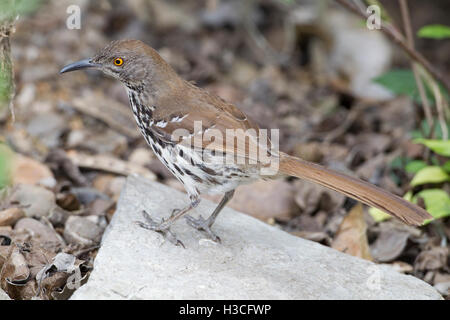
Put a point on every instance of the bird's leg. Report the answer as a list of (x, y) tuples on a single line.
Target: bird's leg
[(164, 226), (205, 225)]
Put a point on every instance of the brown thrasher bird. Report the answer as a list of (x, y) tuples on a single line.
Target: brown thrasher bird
[(171, 113)]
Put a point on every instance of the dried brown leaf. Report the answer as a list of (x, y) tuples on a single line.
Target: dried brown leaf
[(432, 259), (351, 237), (389, 244)]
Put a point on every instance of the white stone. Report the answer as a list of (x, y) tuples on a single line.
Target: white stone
[(254, 260)]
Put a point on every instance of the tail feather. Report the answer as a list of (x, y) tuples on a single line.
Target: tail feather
[(354, 188)]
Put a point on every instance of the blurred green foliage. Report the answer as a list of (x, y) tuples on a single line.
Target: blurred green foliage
[(6, 81), (446, 166), (424, 130), (400, 82), (403, 82), (415, 166), (441, 147), (437, 201), (430, 174), (434, 31), (6, 156), (9, 9)]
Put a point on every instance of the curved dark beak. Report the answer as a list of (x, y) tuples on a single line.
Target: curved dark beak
[(82, 64)]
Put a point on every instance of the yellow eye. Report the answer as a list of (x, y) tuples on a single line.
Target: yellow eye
[(118, 61)]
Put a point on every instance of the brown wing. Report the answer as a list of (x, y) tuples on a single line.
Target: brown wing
[(205, 121)]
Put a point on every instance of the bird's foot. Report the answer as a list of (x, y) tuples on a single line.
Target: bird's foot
[(202, 225), (163, 227), (174, 212)]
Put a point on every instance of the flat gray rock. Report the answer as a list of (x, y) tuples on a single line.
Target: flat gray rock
[(254, 261)]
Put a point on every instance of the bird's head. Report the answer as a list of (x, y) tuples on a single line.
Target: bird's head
[(130, 61)]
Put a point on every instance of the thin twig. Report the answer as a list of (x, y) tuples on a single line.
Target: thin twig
[(440, 102), (410, 40), (343, 127), (259, 39), (440, 109), (360, 4), (398, 38)]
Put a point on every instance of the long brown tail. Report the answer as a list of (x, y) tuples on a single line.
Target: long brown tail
[(355, 188)]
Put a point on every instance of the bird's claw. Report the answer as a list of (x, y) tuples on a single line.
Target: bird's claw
[(163, 228), (202, 225), (174, 212)]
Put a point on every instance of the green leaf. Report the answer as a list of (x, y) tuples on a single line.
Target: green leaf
[(400, 82), (431, 174), (441, 147), (403, 82), (446, 167), (434, 31), (437, 202), (379, 215), (415, 165)]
